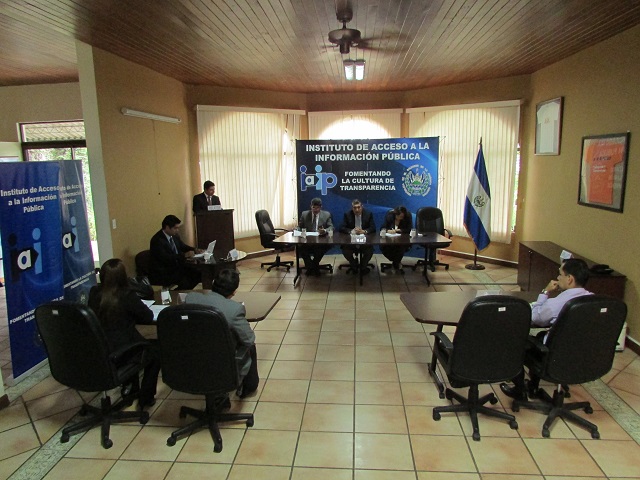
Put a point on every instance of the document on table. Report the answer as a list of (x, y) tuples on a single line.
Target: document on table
[(393, 234), (312, 234)]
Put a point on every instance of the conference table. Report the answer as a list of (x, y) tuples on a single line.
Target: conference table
[(257, 304), (444, 309), (426, 240)]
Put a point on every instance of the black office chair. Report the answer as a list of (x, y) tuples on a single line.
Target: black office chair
[(429, 219), (488, 347), (579, 348), (142, 260), (323, 266), (198, 357), (371, 266), (267, 234), (80, 358)]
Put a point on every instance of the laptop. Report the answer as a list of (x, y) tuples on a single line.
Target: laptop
[(209, 250)]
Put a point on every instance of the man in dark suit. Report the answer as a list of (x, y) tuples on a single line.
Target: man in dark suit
[(358, 221), (222, 290), (314, 220), (168, 254), (202, 201)]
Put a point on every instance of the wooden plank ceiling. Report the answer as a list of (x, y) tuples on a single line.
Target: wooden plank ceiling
[(283, 44)]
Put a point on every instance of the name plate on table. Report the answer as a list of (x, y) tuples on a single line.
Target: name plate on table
[(362, 238)]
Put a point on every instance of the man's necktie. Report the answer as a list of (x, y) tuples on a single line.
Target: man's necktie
[(208, 200), (173, 245), (315, 223), (358, 221)]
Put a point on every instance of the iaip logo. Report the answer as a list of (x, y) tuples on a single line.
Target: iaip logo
[(26, 258), (320, 180)]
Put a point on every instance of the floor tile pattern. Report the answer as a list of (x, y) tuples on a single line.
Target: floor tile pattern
[(344, 394)]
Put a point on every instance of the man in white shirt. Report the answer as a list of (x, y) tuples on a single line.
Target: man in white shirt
[(572, 277)]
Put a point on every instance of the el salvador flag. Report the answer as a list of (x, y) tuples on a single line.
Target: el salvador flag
[(477, 208)]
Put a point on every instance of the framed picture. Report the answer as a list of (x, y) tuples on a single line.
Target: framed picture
[(549, 126), (603, 171)]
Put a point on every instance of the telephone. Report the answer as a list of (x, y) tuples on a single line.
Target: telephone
[(601, 268)]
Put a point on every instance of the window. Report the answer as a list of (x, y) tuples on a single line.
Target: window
[(460, 129), (354, 124), (250, 156), (53, 141)]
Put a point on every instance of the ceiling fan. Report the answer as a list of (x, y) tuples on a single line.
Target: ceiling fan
[(345, 37)]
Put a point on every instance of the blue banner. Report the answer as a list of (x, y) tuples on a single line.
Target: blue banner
[(382, 174), (40, 259)]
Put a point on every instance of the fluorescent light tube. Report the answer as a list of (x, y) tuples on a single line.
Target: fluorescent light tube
[(151, 116)]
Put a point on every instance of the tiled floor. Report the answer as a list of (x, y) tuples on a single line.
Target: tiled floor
[(344, 395)]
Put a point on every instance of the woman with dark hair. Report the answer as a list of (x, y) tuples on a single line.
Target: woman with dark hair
[(119, 309), (397, 220)]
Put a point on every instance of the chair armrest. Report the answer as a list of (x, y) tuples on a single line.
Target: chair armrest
[(281, 230), (448, 233), (536, 344), (444, 340), (126, 352)]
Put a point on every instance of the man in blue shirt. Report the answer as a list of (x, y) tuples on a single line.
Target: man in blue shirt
[(572, 277)]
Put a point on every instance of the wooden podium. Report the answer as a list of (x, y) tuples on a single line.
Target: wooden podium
[(215, 225)]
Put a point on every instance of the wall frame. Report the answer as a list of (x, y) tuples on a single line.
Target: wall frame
[(603, 171), (549, 126)]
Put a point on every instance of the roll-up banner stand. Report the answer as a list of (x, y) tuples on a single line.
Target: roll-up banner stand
[(46, 248)]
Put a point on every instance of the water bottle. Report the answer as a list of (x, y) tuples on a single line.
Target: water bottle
[(383, 232), (412, 233)]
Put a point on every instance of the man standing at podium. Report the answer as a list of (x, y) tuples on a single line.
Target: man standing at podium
[(204, 200)]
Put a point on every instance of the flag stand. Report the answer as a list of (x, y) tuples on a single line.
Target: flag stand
[(475, 265)]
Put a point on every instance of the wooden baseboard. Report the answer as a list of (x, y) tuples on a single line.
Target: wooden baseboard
[(632, 345), (469, 256)]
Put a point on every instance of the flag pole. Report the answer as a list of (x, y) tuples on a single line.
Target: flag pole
[(475, 265), (480, 171)]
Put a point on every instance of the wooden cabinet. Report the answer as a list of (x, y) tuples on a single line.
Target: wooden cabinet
[(215, 225), (538, 262)]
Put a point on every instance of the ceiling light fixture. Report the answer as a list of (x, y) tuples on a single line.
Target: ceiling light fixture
[(151, 116), (353, 69)]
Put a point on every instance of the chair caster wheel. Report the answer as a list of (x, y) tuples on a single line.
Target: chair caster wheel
[(448, 395), (217, 448), (64, 438), (588, 410), (476, 436), (183, 413), (513, 425), (107, 443), (436, 416), (250, 422), (171, 441), (446, 267), (83, 411), (595, 434), (545, 433), (493, 400), (515, 408), (144, 418)]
